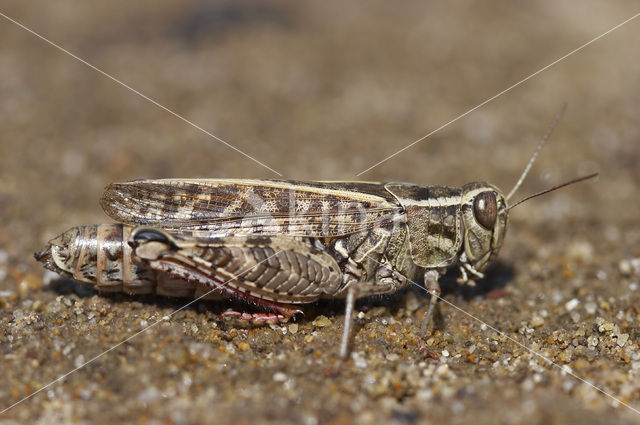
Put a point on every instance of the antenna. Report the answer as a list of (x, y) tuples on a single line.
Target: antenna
[(579, 179), (538, 149)]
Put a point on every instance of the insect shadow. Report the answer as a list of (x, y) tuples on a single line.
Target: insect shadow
[(497, 277), (62, 286), (492, 286)]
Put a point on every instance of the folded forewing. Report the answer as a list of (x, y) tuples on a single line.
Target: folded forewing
[(266, 207)]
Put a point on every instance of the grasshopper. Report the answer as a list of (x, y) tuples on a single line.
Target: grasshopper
[(280, 243)]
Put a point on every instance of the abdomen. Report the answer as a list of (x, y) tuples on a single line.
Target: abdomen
[(99, 255)]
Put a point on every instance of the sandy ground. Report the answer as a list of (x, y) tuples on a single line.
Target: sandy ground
[(323, 91)]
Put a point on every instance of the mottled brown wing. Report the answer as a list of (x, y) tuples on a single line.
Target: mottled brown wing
[(267, 207)]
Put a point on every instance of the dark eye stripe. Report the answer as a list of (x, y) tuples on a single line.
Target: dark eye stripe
[(485, 209)]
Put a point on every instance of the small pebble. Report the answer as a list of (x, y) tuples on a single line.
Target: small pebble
[(442, 370), (28, 284), (528, 385), (629, 266), (575, 316), (78, 361), (580, 250), (565, 356), (591, 307), (7, 294), (536, 321), (293, 328), (392, 357), (606, 327), (322, 322), (622, 339), (571, 304), (279, 377), (359, 361)]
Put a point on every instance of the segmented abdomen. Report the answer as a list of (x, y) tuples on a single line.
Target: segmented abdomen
[(99, 255)]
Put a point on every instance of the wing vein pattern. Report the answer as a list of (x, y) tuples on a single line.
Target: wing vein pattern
[(219, 207)]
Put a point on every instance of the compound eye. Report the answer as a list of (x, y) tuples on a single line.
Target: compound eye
[(485, 209)]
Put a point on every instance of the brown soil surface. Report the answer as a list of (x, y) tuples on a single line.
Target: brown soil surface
[(324, 91)]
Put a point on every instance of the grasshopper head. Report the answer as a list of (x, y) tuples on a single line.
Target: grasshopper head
[(484, 217)]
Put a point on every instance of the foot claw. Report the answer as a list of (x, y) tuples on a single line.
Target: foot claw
[(256, 318), (425, 350)]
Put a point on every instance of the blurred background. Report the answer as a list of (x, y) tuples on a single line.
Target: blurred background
[(320, 90)]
